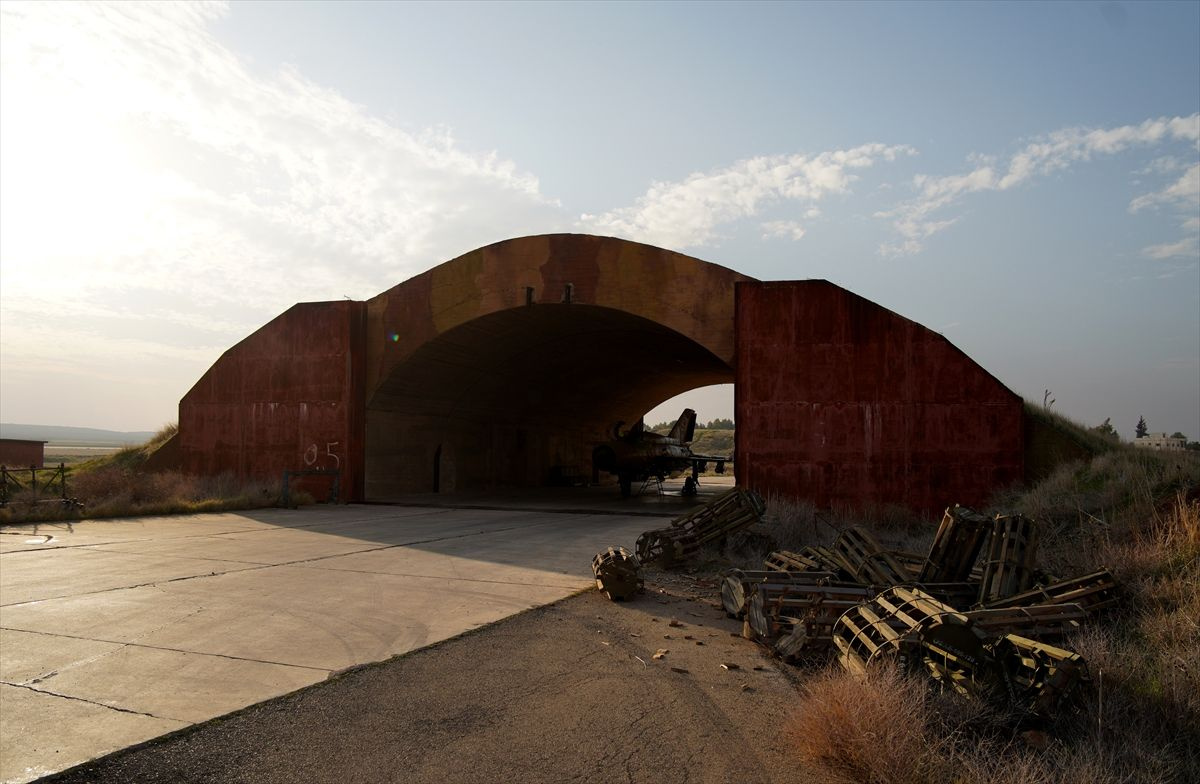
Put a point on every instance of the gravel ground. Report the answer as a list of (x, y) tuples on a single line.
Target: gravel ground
[(567, 692)]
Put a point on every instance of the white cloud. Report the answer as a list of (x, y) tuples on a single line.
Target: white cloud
[(135, 141), (915, 220), (1187, 248), (144, 164), (690, 212), (1166, 164), (781, 228), (1183, 193)]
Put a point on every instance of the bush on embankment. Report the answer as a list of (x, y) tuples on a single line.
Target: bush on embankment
[(116, 486)]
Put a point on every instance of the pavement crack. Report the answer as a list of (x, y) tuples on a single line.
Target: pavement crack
[(573, 583), (150, 584), (130, 644), (92, 702)]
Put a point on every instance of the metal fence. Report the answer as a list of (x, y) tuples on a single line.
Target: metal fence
[(49, 481)]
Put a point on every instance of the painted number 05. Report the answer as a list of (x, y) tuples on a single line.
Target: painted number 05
[(312, 453)]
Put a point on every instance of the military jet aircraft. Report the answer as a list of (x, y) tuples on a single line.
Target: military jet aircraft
[(639, 454)]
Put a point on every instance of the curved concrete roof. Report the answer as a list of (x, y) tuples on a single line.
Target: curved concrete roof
[(691, 296)]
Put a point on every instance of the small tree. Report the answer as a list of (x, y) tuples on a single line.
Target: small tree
[(1106, 429), (1177, 434), (1142, 428)]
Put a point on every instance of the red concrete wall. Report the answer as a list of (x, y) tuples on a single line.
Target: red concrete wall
[(288, 397), (19, 453), (842, 402)]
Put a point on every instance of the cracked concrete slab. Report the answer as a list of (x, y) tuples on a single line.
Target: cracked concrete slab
[(176, 685), (43, 733), (29, 656), (27, 577), (161, 622)]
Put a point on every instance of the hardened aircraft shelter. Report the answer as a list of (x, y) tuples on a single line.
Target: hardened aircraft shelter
[(505, 366)]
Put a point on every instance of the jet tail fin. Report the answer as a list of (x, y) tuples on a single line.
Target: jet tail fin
[(685, 427)]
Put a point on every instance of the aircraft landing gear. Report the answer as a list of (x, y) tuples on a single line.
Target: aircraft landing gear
[(690, 486)]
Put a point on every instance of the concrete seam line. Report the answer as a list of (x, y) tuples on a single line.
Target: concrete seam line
[(127, 644), (93, 702), (454, 578), (256, 567)]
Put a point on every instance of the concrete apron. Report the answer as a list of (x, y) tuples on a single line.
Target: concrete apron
[(113, 632)]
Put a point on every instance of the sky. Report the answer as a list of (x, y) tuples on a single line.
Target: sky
[(1023, 178)]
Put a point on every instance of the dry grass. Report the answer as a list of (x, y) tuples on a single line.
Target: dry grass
[(793, 525), (113, 486), (112, 491), (871, 731), (1136, 512)]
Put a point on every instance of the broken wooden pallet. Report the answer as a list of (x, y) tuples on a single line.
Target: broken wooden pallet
[(618, 573), (787, 561), (727, 513), (737, 585), (1043, 622), (1093, 592)]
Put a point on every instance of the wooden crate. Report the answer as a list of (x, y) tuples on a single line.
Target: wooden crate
[(618, 573), (956, 545), (771, 601), (1010, 560), (913, 627), (867, 560), (1039, 676)]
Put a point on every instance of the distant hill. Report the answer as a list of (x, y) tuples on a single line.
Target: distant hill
[(83, 436)]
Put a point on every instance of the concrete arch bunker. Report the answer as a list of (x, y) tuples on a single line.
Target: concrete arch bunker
[(526, 355), (508, 363)]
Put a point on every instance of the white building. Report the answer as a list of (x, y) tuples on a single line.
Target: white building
[(1160, 441)]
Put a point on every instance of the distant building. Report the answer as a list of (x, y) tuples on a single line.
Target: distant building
[(1161, 441), (19, 453)]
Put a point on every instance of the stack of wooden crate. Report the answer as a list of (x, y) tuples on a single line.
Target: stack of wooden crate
[(977, 627)]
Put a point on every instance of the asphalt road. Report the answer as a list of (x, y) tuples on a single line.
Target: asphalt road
[(569, 692)]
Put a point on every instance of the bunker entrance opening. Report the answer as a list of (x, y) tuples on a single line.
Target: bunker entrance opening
[(520, 397)]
